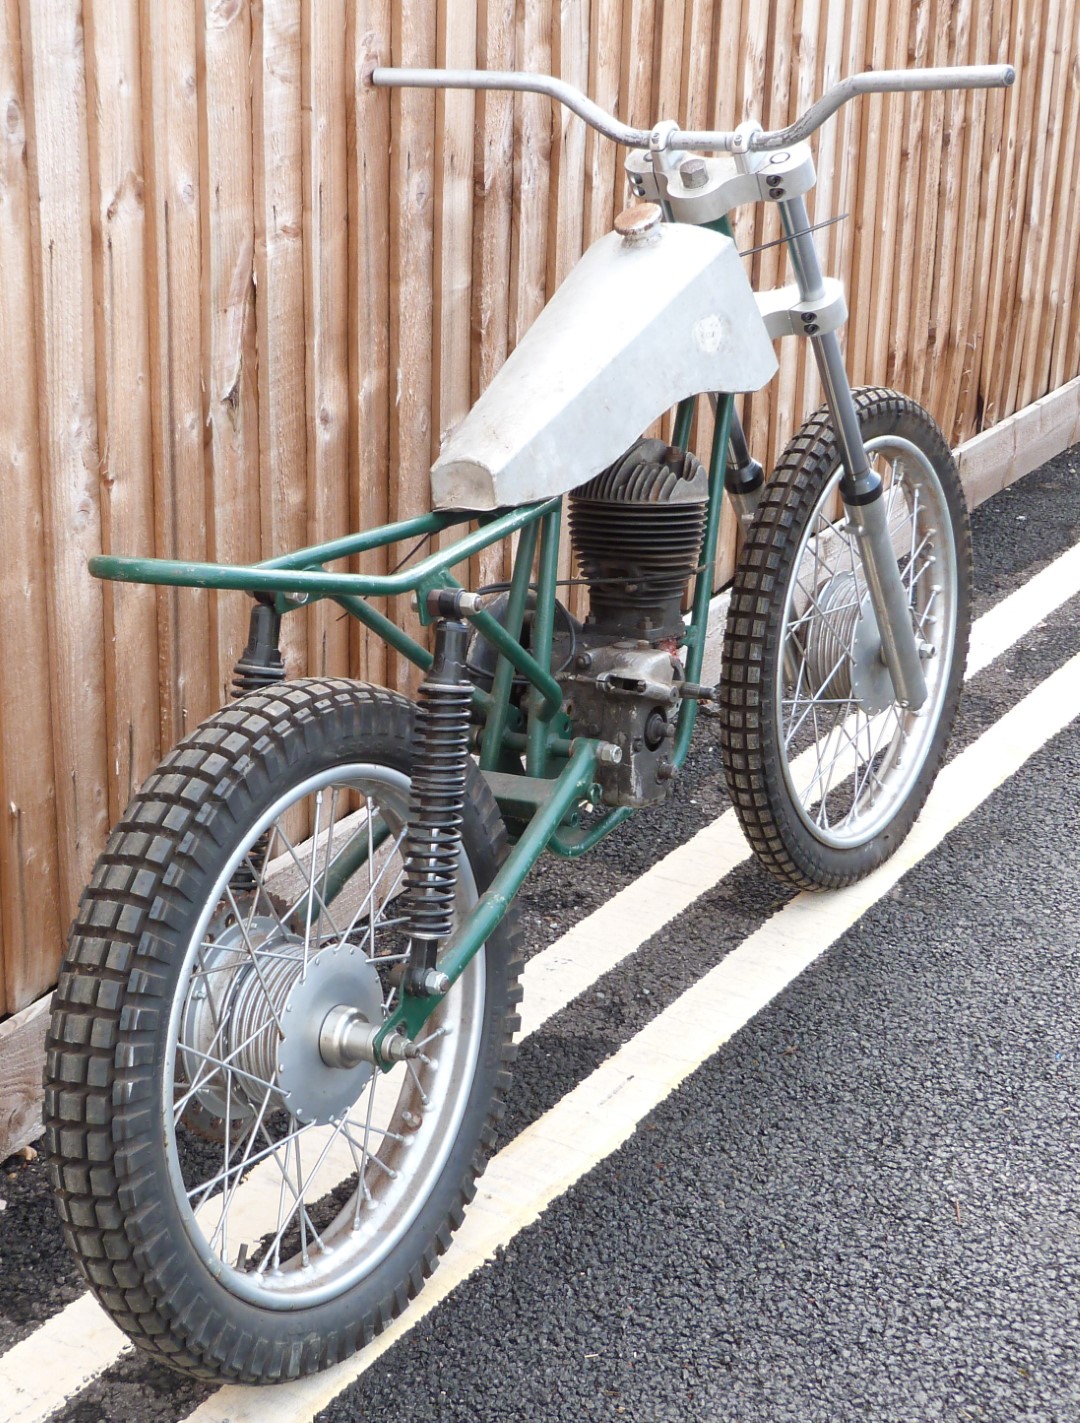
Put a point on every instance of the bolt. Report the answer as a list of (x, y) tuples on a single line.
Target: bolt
[(811, 330), (411, 1120), (927, 650), (584, 662), (777, 193), (773, 179), (694, 172), (435, 983), (608, 754), (296, 599)]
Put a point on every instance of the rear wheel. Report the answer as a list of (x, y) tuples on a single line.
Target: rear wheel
[(826, 770), (238, 1205)]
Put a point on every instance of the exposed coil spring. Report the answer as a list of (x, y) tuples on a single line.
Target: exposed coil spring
[(250, 677), (436, 800)]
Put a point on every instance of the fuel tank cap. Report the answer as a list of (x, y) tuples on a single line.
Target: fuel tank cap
[(639, 224)]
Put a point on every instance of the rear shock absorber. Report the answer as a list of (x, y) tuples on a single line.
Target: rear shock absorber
[(436, 800), (259, 665)]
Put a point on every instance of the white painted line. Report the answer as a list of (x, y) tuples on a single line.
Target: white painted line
[(552, 979), (1008, 621), (61, 1356), (603, 1111), (597, 944)]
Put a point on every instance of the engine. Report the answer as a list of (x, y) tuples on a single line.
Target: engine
[(636, 530)]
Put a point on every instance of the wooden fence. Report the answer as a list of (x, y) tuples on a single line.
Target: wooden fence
[(243, 296)]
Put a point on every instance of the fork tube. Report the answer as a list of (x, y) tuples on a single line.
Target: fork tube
[(860, 488)]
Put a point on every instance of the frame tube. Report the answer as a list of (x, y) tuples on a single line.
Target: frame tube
[(543, 631), (261, 578), (495, 726), (571, 786)]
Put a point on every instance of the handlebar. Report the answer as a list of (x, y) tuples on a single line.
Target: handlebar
[(882, 81)]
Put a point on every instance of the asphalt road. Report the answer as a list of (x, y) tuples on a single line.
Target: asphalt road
[(865, 1205)]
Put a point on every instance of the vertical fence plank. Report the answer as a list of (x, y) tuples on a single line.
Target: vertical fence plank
[(1047, 139), (1000, 221), (927, 235), (122, 358), (906, 257), (965, 317), (669, 59), (1062, 243), (533, 125), (53, 53), (326, 307), (279, 283), (30, 923), (752, 225), (1026, 50), (229, 351), (566, 215), (493, 182), (990, 182), (601, 155), (810, 52), (412, 182), (368, 117), (569, 61), (174, 260), (890, 43), (948, 236), (455, 119)]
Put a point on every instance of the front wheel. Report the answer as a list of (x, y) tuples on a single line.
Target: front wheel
[(245, 1205), (826, 770)]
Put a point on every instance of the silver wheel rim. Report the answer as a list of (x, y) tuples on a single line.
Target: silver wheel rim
[(849, 763), (287, 1214)]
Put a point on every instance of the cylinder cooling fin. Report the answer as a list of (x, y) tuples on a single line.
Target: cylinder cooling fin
[(636, 529)]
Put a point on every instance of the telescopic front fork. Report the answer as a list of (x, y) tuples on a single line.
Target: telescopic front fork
[(861, 488)]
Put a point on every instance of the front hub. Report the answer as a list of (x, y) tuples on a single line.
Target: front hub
[(265, 1022)]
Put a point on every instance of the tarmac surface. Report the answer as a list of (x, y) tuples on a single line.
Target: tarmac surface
[(865, 1205)]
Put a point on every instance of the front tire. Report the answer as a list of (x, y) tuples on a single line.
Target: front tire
[(826, 771), (242, 1209)]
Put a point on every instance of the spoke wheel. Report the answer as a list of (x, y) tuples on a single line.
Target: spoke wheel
[(242, 1200), (826, 770)]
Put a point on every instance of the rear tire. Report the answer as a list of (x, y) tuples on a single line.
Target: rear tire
[(826, 771), (243, 1211)]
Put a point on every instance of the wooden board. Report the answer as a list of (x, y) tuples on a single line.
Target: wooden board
[(22, 1060), (326, 307), (281, 328), (30, 925), (122, 355), (174, 262), (66, 381)]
